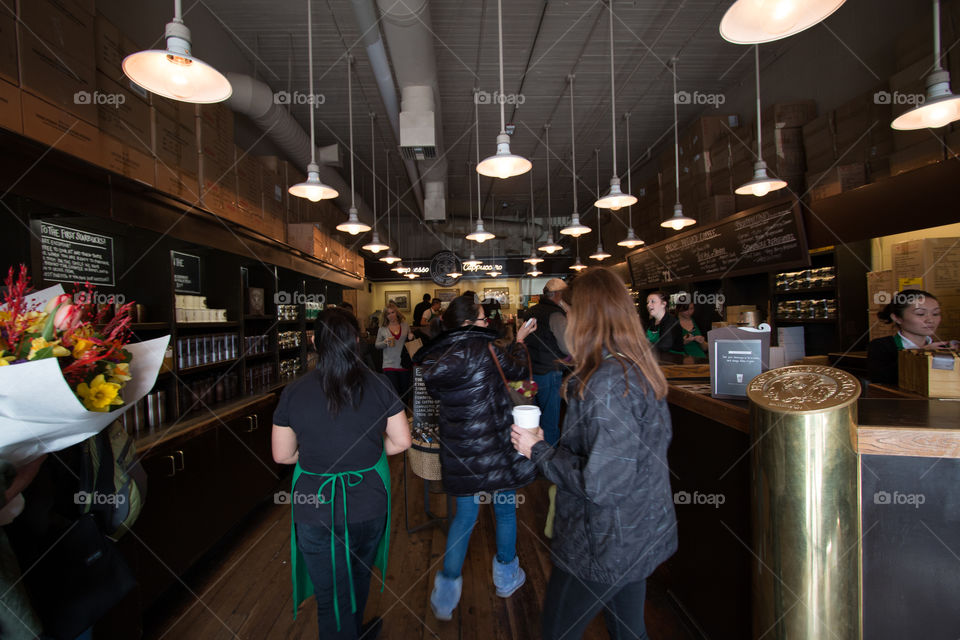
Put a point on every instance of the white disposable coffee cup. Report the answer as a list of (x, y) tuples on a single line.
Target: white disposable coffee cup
[(526, 416)]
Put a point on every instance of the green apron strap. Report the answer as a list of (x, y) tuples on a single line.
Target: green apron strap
[(897, 340)]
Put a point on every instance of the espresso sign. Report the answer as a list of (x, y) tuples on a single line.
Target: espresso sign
[(74, 255), (750, 242), (186, 272)]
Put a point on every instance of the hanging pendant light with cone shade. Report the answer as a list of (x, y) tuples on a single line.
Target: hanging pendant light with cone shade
[(575, 228), (534, 259), (412, 276), (548, 247), (577, 265), (353, 226), (599, 255), (174, 73), (678, 220), (761, 184), (940, 106), (374, 246), (390, 258), (312, 189), (631, 240), (479, 234), (399, 268), (534, 272), (758, 21), (614, 198), (472, 263), (503, 164)]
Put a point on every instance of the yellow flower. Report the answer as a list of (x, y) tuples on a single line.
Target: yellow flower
[(119, 373), (39, 343), (5, 360), (80, 347), (99, 395), (35, 321)]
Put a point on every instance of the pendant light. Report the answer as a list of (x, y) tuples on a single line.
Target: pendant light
[(503, 164), (941, 106), (399, 268), (312, 189), (549, 247), (678, 220), (757, 21), (353, 226), (472, 263), (479, 234), (492, 272), (390, 258), (374, 246), (615, 198), (534, 259), (600, 255), (174, 73), (574, 229), (761, 184), (412, 276), (577, 265), (631, 240)]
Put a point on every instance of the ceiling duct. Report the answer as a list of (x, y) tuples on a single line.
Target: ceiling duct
[(418, 132)]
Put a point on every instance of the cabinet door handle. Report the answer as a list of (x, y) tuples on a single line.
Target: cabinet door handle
[(173, 466), (256, 421), (183, 461), (250, 426)]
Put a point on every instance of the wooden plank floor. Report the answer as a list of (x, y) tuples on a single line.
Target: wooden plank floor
[(242, 588)]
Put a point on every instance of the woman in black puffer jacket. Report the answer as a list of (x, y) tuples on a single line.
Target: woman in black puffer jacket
[(476, 456)]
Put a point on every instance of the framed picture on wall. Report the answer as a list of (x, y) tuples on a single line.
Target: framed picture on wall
[(446, 295), (500, 294), (400, 298)]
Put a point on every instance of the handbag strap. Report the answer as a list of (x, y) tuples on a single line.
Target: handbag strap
[(496, 361)]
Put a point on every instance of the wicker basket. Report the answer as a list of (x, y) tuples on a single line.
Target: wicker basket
[(425, 459)]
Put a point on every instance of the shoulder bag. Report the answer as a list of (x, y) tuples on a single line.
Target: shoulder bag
[(521, 391)]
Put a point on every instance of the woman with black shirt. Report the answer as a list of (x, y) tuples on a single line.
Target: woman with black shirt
[(917, 316), (662, 326), (338, 424)]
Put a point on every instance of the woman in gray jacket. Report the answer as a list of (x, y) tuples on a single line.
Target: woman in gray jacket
[(615, 521), (391, 339)]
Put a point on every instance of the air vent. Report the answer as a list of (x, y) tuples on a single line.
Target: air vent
[(419, 153)]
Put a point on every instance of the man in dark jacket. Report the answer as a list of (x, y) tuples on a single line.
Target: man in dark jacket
[(419, 309), (547, 348)]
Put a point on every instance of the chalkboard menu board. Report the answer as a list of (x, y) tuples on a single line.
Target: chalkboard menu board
[(754, 241), (74, 255), (186, 272), (426, 410)]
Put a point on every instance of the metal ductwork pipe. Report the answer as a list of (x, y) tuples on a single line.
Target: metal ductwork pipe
[(254, 99)]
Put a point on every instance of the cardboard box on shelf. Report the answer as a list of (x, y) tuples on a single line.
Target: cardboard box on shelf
[(705, 131), (248, 182), (11, 117), (111, 46), (819, 142), (907, 89), (919, 155), (129, 161), (177, 183), (174, 145), (9, 68), (216, 118), (840, 178), (933, 265), (783, 150), (935, 374), (880, 290), (790, 114), (60, 129), (57, 77), (66, 26), (124, 116), (184, 113)]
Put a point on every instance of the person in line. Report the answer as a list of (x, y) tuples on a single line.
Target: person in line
[(660, 330), (418, 310), (495, 321), (433, 311), (476, 457), (917, 316), (547, 349), (688, 339), (391, 339), (338, 425), (615, 520)]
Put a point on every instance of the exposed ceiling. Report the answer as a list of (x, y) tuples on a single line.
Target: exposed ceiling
[(544, 43)]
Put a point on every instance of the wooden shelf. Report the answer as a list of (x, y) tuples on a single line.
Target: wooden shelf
[(207, 325), (256, 356), (256, 317), (206, 367)]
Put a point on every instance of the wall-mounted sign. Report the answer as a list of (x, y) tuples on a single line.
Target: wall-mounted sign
[(442, 263), (186, 272), (74, 255), (484, 267)]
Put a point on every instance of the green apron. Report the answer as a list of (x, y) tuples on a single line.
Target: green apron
[(302, 585)]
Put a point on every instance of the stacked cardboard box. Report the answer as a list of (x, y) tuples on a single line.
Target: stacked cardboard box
[(125, 131), (820, 142), (174, 135), (694, 164), (932, 264), (9, 68), (218, 176), (912, 149), (836, 180), (249, 190), (880, 290), (11, 117), (111, 47), (272, 198)]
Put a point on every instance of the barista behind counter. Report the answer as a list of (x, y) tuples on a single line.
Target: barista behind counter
[(917, 316)]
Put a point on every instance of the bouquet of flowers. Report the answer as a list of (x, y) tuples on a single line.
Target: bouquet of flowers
[(62, 348), (524, 388)]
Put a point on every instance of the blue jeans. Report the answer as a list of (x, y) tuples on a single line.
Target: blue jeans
[(458, 537), (571, 604), (548, 399), (314, 542)]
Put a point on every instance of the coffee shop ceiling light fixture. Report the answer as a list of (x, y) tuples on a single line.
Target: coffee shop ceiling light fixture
[(631, 240), (940, 106), (678, 220), (312, 188), (472, 263), (353, 226), (599, 255), (412, 276), (399, 268), (534, 272), (758, 21), (374, 246), (761, 184), (534, 259), (479, 234), (614, 198), (390, 258), (548, 247), (173, 72), (575, 228), (503, 164)]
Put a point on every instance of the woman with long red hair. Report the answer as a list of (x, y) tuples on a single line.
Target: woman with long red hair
[(615, 521)]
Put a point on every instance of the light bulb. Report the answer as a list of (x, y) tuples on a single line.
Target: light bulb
[(938, 115), (761, 189)]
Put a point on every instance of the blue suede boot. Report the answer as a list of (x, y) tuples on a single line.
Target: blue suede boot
[(445, 595), (508, 577)]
